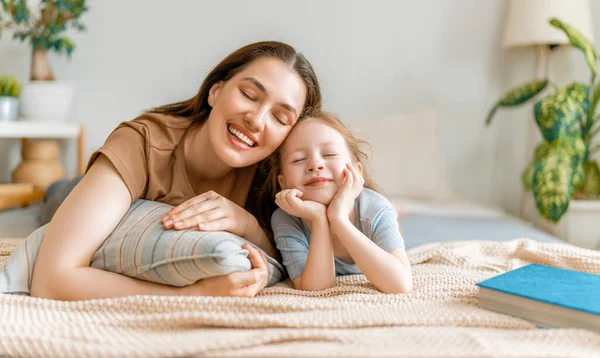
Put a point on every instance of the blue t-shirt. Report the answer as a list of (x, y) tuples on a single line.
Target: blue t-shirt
[(375, 217)]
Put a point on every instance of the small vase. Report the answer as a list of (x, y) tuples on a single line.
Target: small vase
[(46, 101), (8, 109), (40, 165)]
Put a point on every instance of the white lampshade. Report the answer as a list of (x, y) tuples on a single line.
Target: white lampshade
[(528, 21)]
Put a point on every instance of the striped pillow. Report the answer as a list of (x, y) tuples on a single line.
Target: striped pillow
[(141, 248)]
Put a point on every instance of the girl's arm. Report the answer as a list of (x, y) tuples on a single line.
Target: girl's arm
[(318, 266), (84, 220), (389, 272), (319, 272)]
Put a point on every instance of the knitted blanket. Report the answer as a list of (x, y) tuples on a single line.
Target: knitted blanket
[(439, 318)]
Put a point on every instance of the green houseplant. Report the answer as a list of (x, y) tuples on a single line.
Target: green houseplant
[(9, 86), (9, 98), (562, 167), (43, 25)]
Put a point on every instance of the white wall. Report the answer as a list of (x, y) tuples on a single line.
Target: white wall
[(372, 58)]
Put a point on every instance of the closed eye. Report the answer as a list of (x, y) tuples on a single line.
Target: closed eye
[(281, 119), (330, 155), (247, 95), (298, 160)]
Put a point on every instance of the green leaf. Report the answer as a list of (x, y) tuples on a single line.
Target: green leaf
[(552, 184), (67, 44), (518, 96), (9, 86), (527, 176), (557, 114), (591, 184), (555, 176), (578, 40), (20, 12), (590, 115)]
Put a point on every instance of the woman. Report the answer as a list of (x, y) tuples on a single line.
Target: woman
[(199, 155)]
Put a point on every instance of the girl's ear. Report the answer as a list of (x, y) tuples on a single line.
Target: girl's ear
[(360, 167), (281, 181), (213, 93)]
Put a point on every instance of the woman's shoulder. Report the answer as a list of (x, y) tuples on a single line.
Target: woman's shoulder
[(160, 130), (159, 121)]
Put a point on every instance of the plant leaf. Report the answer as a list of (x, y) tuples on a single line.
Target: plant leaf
[(518, 96), (591, 183), (555, 174), (557, 114), (527, 176), (578, 40)]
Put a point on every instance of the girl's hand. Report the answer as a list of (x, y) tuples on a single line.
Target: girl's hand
[(237, 284), (342, 203), (289, 200), (210, 212)]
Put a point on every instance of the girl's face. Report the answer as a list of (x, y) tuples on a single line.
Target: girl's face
[(253, 112), (313, 159)]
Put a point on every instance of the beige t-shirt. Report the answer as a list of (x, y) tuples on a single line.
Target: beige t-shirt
[(149, 154)]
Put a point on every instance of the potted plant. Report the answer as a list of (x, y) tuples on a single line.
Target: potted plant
[(9, 98), (42, 24), (563, 168)]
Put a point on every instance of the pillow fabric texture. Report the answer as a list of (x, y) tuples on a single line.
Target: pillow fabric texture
[(141, 248)]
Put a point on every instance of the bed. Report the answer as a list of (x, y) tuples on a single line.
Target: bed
[(452, 244)]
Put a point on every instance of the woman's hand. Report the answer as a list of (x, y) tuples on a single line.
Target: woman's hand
[(210, 212), (342, 203), (289, 200), (237, 284)]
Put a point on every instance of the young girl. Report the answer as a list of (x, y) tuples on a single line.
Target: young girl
[(327, 224)]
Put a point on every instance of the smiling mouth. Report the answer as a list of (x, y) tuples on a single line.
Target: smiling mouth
[(240, 136), (318, 181)]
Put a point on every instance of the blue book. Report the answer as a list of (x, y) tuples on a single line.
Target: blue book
[(545, 295)]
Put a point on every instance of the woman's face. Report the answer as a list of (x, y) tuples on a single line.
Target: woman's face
[(253, 112), (313, 159)]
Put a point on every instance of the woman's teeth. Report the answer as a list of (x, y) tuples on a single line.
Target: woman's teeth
[(242, 137)]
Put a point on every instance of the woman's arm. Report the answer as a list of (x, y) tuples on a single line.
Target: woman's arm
[(85, 219), (210, 211), (256, 235), (319, 271), (389, 272)]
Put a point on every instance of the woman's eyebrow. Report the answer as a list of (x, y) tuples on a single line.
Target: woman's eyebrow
[(264, 90)]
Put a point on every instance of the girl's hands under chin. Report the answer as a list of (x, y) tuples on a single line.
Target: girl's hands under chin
[(289, 201), (342, 203), (209, 212)]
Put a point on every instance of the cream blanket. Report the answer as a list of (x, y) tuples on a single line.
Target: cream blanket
[(440, 318)]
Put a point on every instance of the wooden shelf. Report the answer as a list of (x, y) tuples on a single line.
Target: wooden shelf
[(11, 196), (39, 129), (10, 201)]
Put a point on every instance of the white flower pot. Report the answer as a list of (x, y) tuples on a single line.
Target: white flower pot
[(580, 225), (46, 101), (8, 108)]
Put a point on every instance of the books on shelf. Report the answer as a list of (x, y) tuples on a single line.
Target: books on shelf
[(545, 295)]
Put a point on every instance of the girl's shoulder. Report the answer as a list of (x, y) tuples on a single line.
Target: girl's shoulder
[(280, 217), (371, 204)]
